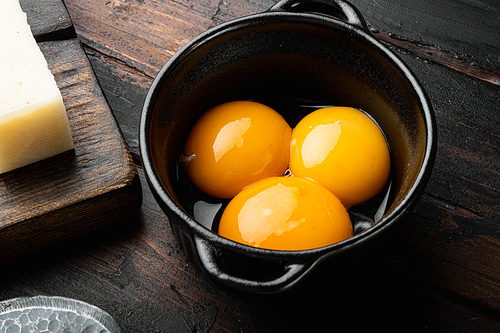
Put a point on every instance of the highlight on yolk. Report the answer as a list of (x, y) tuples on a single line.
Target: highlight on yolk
[(285, 213), (344, 150), (234, 145)]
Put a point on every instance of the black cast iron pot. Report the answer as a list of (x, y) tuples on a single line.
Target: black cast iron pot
[(314, 50)]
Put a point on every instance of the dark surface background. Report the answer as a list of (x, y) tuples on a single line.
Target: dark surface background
[(438, 271)]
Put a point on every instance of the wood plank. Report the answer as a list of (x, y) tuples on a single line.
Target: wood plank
[(437, 55), (451, 238), (48, 19), (427, 23), (160, 28), (125, 89), (77, 191), (469, 30)]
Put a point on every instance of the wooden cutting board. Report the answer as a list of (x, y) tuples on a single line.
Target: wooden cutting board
[(78, 191)]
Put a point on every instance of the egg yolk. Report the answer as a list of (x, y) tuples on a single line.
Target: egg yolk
[(285, 213), (342, 149), (234, 145)]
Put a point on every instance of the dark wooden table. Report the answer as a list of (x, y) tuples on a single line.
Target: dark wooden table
[(439, 272)]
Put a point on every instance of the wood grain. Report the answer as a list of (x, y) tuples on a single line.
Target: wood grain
[(445, 58), (470, 30), (159, 28), (48, 19), (77, 191)]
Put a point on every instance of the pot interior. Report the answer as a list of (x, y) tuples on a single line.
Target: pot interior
[(277, 57)]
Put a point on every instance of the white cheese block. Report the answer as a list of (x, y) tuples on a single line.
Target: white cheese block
[(33, 121)]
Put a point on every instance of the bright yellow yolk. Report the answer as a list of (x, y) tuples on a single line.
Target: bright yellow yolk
[(285, 213), (342, 149), (235, 144)]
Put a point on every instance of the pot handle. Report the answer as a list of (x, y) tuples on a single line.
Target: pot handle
[(335, 8), (292, 272)]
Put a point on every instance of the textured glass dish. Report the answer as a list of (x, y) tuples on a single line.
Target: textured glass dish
[(55, 315)]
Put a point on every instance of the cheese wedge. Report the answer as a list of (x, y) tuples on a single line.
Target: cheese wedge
[(33, 121)]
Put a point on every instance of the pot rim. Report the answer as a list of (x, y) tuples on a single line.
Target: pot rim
[(279, 16)]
